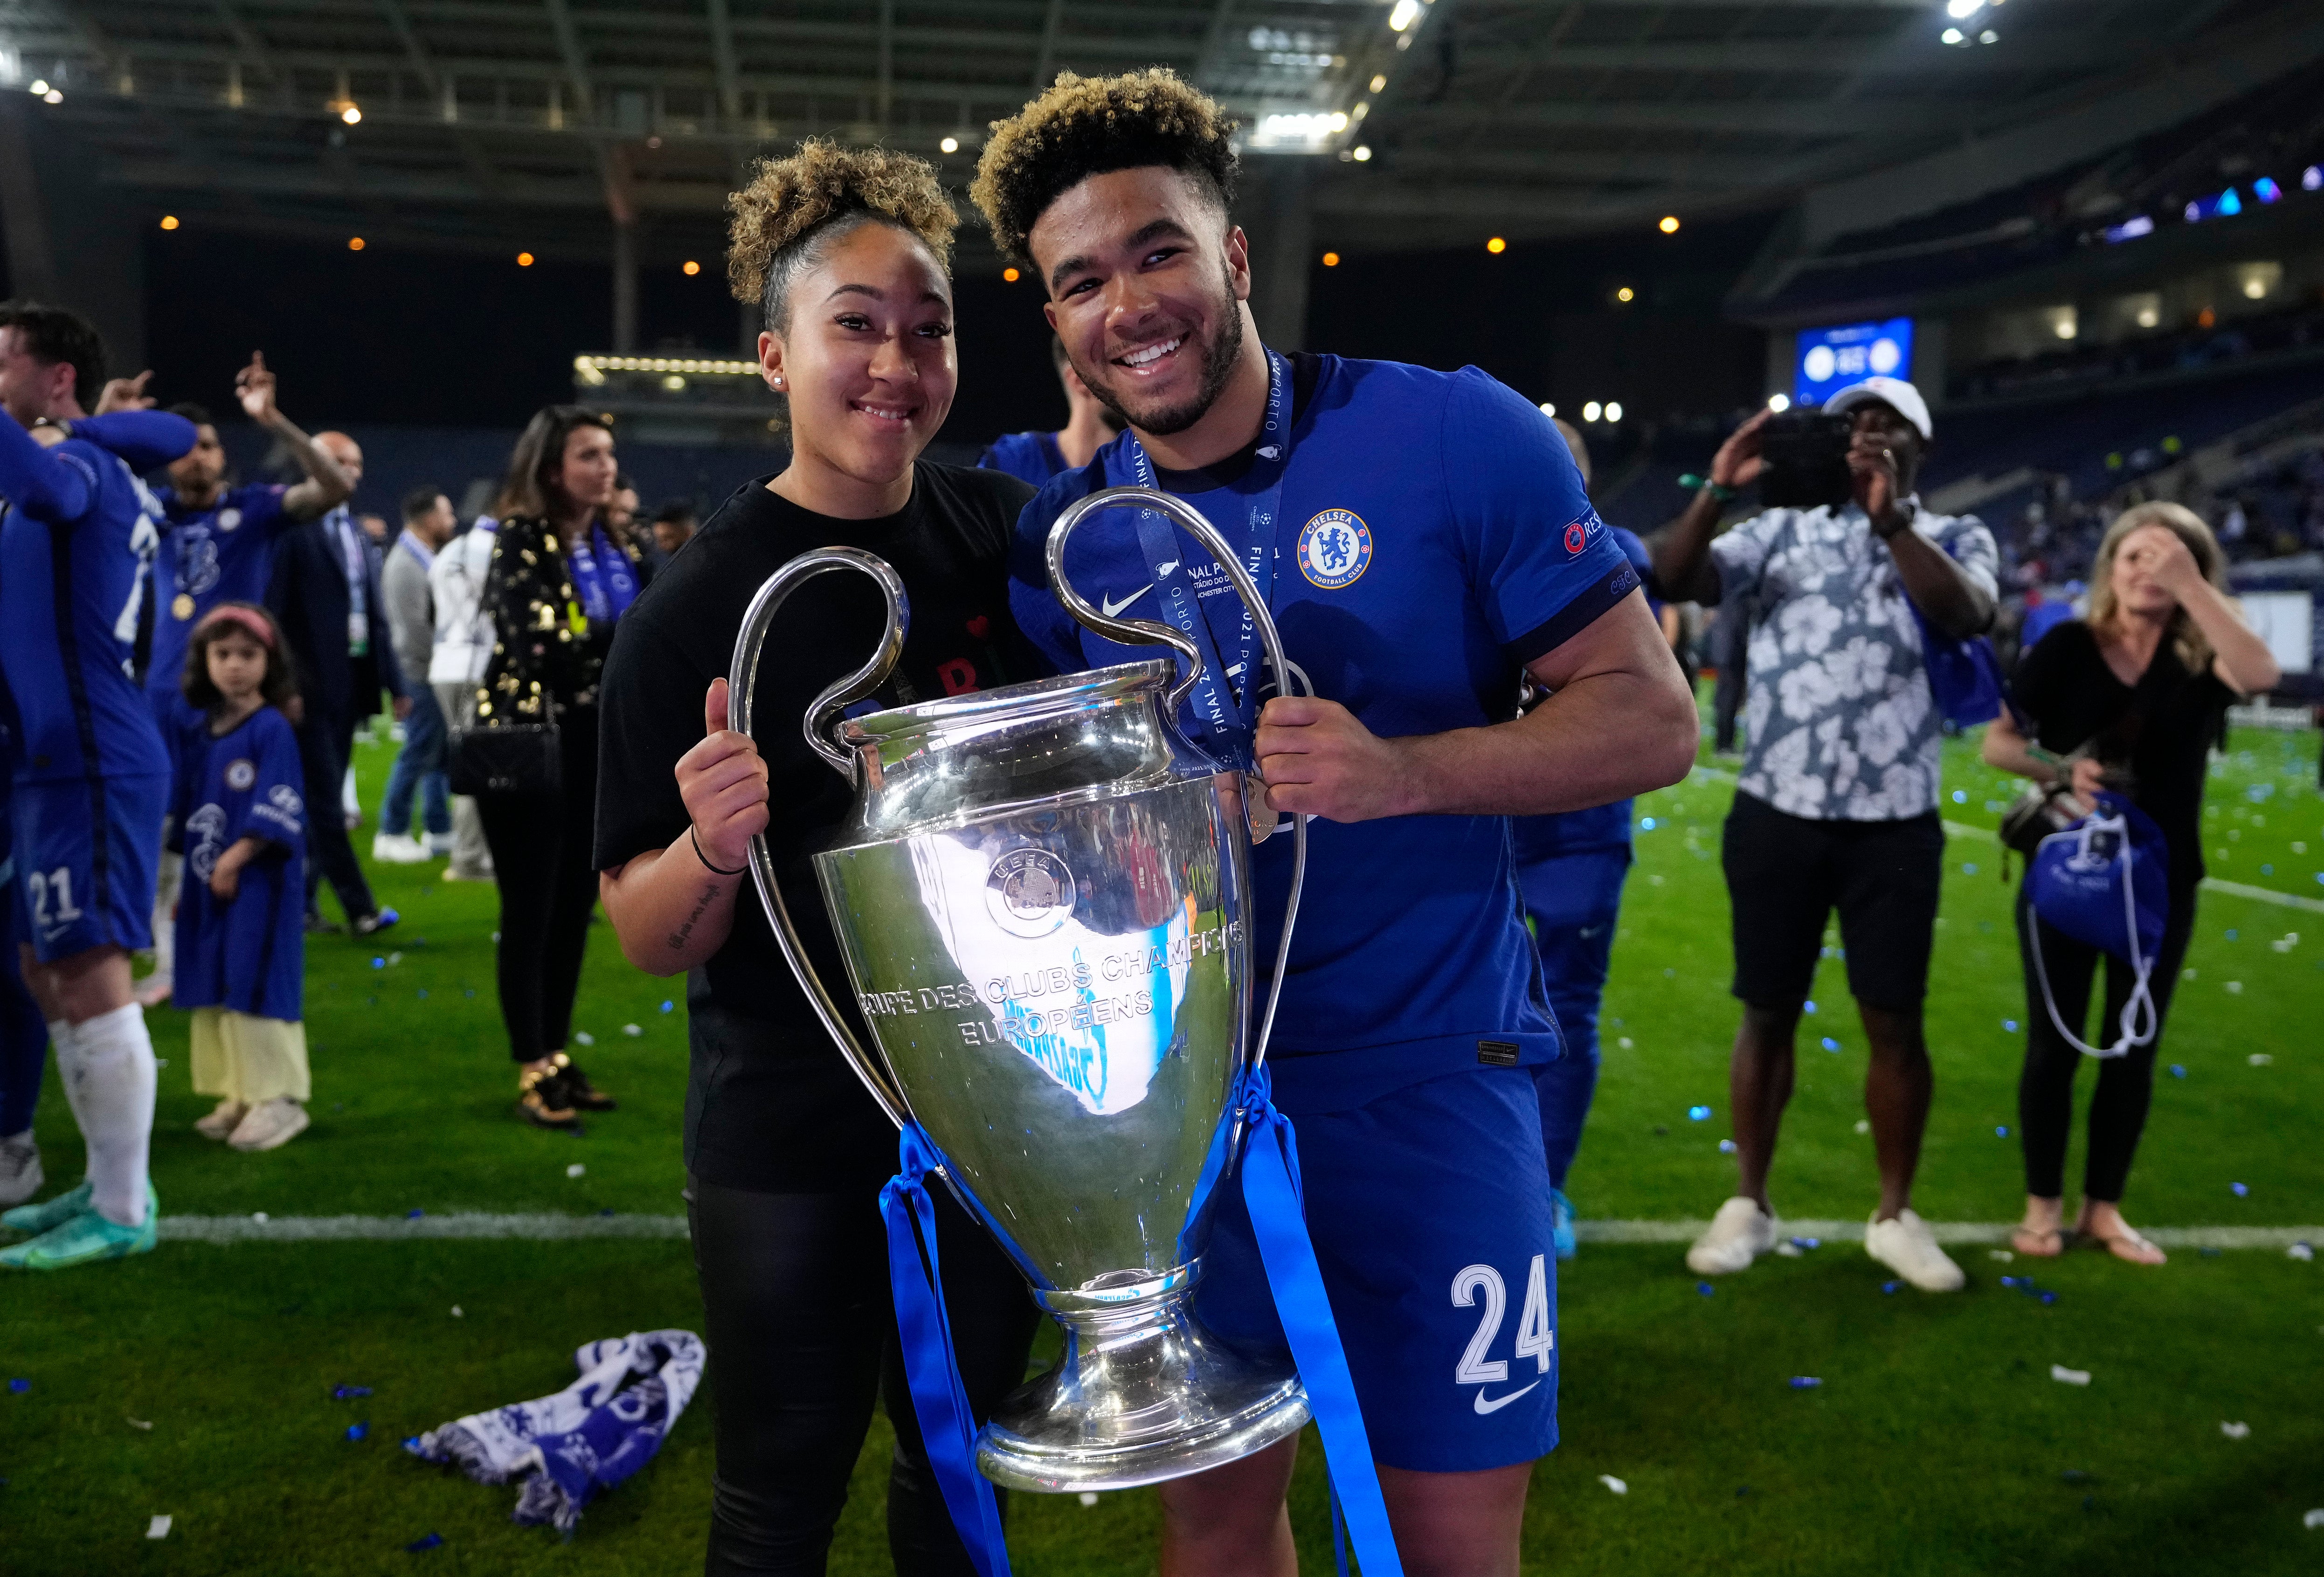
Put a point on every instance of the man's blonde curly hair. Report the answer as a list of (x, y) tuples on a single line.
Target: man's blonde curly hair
[(1083, 126), (794, 206)]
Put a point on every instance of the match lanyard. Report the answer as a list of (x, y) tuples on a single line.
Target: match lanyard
[(1228, 709)]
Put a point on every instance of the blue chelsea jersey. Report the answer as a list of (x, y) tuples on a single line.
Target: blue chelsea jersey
[(73, 551), (1033, 457), (247, 952), (221, 554), (1431, 538)]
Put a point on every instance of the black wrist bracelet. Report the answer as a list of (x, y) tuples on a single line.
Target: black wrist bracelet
[(695, 839)]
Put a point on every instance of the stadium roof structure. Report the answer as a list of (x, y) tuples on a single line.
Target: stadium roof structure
[(495, 123)]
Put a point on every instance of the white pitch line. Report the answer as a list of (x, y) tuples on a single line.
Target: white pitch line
[(546, 1227), (1970, 1232), (463, 1224)]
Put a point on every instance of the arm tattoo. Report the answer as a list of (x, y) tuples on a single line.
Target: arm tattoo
[(710, 892)]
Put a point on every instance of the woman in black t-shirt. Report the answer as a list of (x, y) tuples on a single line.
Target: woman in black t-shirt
[(2131, 700), (785, 1151)]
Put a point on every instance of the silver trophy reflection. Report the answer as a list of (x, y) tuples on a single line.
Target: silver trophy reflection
[(1043, 898)]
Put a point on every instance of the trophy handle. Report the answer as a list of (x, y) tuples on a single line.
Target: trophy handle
[(1152, 632), (741, 683)]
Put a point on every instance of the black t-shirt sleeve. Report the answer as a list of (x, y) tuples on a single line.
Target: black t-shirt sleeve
[(643, 730), (2046, 681)]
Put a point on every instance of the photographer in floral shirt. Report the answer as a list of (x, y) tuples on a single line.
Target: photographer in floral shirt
[(1837, 804)]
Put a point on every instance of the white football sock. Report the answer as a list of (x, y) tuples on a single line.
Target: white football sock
[(113, 1070), (165, 913), (66, 1040)]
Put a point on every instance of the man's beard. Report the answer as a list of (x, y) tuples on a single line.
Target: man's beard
[(1218, 368)]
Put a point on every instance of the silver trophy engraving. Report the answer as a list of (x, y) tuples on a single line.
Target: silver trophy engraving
[(1043, 897)]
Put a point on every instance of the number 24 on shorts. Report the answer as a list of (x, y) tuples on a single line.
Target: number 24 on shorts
[(1535, 1339)]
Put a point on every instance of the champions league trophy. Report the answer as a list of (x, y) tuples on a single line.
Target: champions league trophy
[(1043, 896)]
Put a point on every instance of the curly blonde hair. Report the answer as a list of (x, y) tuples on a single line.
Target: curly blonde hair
[(795, 208), (1083, 126)]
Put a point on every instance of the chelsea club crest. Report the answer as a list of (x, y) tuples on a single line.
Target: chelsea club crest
[(1335, 548)]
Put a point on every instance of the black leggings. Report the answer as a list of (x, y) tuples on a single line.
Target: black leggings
[(2045, 1089), (802, 1337), (542, 858)]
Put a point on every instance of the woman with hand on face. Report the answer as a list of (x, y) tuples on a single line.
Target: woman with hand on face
[(561, 577), (2135, 695), (845, 251)]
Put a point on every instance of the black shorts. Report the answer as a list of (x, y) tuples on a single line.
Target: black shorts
[(1785, 876)]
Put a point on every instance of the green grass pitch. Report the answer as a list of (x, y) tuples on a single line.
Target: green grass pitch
[(1936, 1441)]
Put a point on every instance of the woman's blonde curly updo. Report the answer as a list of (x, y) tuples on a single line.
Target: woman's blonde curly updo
[(796, 207)]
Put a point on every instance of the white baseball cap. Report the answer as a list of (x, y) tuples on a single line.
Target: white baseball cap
[(1894, 393)]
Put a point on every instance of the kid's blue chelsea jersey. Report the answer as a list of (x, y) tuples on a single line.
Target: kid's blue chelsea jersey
[(1431, 538)]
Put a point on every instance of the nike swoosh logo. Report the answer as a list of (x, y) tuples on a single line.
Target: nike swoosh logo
[(1484, 1407), (1113, 607)]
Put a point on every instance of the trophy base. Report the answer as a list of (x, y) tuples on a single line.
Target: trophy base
[(1142, 1394)]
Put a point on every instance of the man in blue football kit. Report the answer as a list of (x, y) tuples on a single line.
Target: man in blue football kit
[(92, 776), (1035, 457), (218, 546), (1426, 540)]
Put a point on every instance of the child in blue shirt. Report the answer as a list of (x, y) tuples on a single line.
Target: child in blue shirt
[(239, 815)]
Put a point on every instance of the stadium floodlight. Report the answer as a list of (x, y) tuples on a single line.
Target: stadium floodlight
[(1779, 404), (40, 88), (1988, 37), (1590, 412), (1613, 410), (950, 145), (1405, 13), (1953, 35), (1363, 155), (1548, 408), (1962, 10)]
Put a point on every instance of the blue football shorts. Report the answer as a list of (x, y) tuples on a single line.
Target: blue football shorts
[(85, 856), (1430, 1212)]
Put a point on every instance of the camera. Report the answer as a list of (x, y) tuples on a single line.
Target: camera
[(1805, 458)]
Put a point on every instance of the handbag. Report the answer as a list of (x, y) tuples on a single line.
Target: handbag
[(2038, 812), (521, 758)]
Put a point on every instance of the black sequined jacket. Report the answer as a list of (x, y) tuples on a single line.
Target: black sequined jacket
[(545, 657)]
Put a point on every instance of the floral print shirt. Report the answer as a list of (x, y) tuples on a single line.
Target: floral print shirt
[(1842, 723)]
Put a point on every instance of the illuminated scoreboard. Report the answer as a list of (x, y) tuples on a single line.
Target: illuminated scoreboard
[(1830, 359)]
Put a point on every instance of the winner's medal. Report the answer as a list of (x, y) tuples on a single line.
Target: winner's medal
[(181, 607)]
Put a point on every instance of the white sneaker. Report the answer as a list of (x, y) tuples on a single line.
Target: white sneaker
[(1739, 1233), (270, 1123), (222, 1120), (20, 1168), (1907, 1247), (397, 849)]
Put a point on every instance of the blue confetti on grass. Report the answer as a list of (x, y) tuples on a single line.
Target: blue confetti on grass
[(2242, 1190), (1961, 797), (2233, 934), (414, 1214), (2001, 1130), (1646, 824), (1830, 1044), (424, 994), (2178, 1070), (1806, 1382), (2009, 1026), (1811, 1007), (2267, 871), (1890, 1287), (1705, 1288), (669, 1007), (1807, 1242), (1698, 1114), (379, 964), (345, 1392), (1968, 870), (416, 1547), (359, 1430), (19, 1387)]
